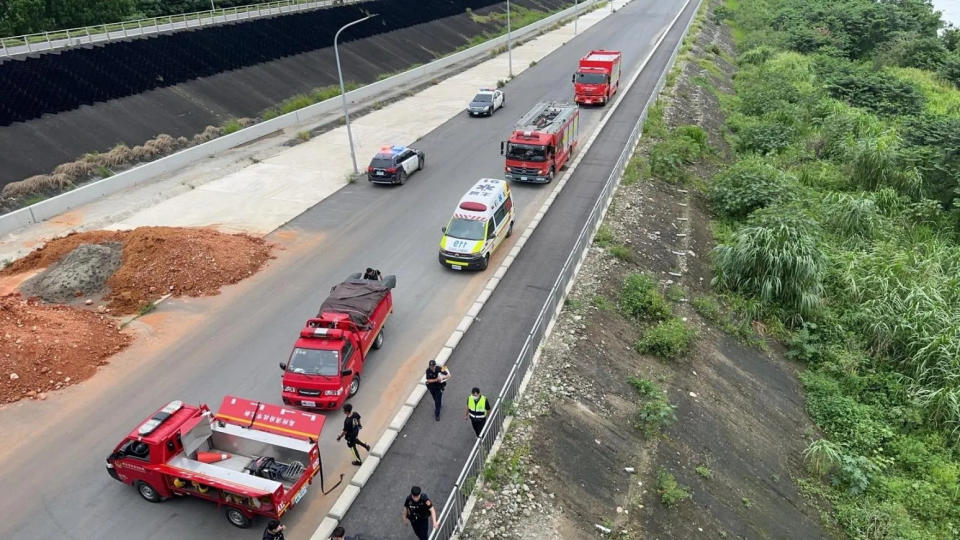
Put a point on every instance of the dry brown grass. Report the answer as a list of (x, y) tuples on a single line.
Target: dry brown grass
[(117, 156), (209, 133), (75, 170), (36, 184)]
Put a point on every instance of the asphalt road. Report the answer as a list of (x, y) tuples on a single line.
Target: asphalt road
[(51, 466), (431, 454)]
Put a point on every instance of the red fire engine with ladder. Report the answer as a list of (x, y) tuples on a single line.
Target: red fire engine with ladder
[(542, 142)]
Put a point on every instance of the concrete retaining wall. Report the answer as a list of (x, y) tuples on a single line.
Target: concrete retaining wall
[(147, 172)]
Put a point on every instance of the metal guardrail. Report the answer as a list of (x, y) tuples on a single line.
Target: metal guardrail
[(450, 521), (103, 33)]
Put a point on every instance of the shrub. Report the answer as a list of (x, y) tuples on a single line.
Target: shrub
[(852, 216), (776, 260), (879, 92), (671, 492), (644, 387), (640, 298), (756, 55), (764, 137), (745, 186), (697, 135), (875, 162), (669, 339)]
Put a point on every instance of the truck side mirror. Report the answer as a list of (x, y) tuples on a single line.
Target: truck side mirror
[(573, 78), (283, 366), (501, 148), (346, 372), (443, 229)]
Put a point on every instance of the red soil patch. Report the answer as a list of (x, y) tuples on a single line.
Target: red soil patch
[(44, 347), (161, 260)]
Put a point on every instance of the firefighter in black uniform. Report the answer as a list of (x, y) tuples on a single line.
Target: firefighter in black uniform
[(418, 510), (351, 430)]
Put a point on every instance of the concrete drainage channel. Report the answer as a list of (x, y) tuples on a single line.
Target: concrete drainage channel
[(456, 509)]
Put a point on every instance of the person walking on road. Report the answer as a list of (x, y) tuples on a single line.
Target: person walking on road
[(351, 430), (339, 534), (477, 408), (437, 378), (418, 510), (274, 530)]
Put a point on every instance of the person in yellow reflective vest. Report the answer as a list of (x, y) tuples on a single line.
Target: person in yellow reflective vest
[(477, 407)]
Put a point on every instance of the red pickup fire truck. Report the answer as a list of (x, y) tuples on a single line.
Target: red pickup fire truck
[(327, 359), (542, 142), (597, 77), (250, 457)]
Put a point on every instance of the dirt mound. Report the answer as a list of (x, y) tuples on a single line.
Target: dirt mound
[(160, 260), (44, 348), (84, 271)]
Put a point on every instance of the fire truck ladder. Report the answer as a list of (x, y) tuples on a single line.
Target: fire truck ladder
[(547, 116)]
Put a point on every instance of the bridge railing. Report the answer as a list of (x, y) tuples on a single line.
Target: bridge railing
[(101, 33)]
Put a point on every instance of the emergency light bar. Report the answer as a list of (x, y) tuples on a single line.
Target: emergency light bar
[(154, 422), (474, 206), (328, 333)]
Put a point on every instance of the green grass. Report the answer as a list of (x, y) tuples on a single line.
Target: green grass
[(230, 126), (671, 492), (621, 252), (604, 237), (704, 472), (669, 340), (655, 411), (839, 231), (641, 299)]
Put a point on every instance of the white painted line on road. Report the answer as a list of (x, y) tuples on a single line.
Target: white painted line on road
[(363, 474), (471, 500), (386, 441), (343, 502), (406, 411), (418, 391), (401, 418)]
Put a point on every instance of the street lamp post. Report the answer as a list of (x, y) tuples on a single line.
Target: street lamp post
[(343, 91), (576, 15), (509, 44)]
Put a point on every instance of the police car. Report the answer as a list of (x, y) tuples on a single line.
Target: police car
[(486, 102), (393, 164)]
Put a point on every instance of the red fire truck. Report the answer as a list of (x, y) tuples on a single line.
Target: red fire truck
[(250, 457), (327, 359), (597, 77), (542, 142)]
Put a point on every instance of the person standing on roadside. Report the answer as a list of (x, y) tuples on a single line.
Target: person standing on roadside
[(339, 534), (351, 430), (274, 530), (418, 510), (437, 378), (477, 408)]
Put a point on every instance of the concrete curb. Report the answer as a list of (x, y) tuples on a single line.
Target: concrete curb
[(149, 172), (442, 358)]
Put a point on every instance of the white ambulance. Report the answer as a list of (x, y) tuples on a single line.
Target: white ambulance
[(480, 223)]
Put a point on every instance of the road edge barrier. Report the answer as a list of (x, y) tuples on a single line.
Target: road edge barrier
[(331, 108), (489, 441)]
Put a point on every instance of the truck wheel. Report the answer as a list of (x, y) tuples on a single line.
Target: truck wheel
[(378, 342), (402, 177), (422, 163), (486, 262), (510, 230), (354, 386), (238, 518), (550, 175), (147, 492)]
